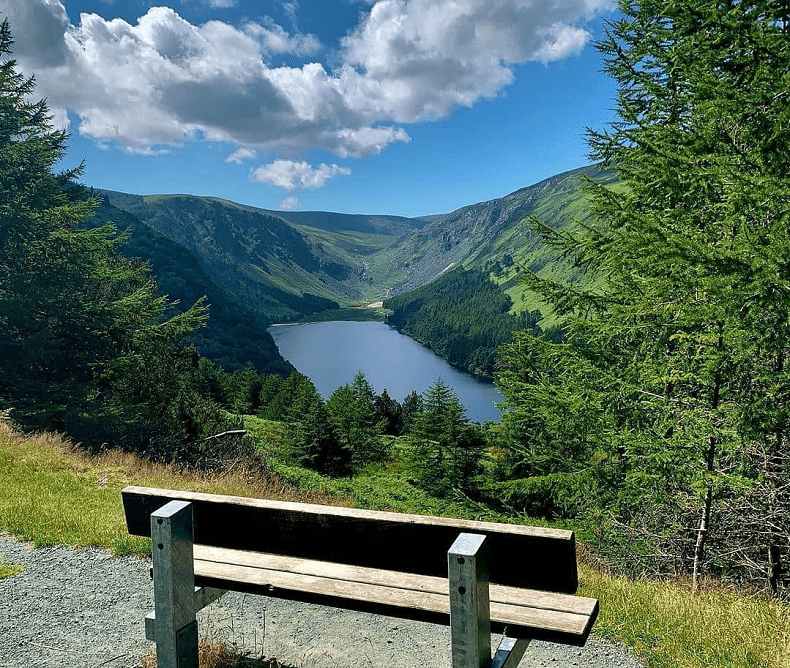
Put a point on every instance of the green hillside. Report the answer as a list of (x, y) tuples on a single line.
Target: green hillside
[(285, 265), (493, 236), (235, 333), (258, 257)]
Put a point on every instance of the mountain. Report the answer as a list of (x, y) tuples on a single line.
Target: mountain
[(235, 333), (281, 266), (489, 234), (258, 257)]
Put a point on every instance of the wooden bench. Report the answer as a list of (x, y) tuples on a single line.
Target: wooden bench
[(409, 566)]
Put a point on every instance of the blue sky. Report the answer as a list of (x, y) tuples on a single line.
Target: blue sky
[(407, 107)]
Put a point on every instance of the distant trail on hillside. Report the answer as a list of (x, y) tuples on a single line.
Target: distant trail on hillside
[(82, 608)]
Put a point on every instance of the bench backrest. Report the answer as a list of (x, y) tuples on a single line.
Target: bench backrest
[(521, 556)]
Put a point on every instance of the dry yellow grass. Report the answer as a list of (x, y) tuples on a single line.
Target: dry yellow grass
[(216, 654), (51, 493), (669, 626)]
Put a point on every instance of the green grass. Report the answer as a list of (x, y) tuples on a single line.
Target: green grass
[(7, 570), (669, 626), (50, 498), (51, 495)]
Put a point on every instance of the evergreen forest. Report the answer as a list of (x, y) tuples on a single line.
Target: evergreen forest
[(462, 316), (652, 416)]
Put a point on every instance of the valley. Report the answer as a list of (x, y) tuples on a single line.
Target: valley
[(258, 266)]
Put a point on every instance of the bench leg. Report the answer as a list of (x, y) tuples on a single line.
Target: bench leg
[(175, 626), (470, 618), (509, 653)]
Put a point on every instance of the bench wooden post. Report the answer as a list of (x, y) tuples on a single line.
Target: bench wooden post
[(175, 625), (470, 618)]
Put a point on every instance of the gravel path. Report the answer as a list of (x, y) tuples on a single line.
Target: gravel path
[(82, 608)]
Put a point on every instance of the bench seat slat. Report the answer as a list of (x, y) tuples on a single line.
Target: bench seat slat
[(499, 593), (536, 614)]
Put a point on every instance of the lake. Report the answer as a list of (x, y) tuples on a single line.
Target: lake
[(331, 353)]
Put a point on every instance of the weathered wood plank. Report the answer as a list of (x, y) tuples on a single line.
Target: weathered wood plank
[(381, 592), (531, 557), (431, 584)]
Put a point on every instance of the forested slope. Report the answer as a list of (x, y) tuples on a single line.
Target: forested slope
[(462, 316), (235, 334)]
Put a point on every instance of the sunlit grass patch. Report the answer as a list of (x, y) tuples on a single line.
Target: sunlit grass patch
[(669, 626), (53, 494), (7, 570)]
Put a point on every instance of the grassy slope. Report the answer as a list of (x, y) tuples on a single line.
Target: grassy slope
[(479, 235), (561, 205), (258, 257), (50, 494)]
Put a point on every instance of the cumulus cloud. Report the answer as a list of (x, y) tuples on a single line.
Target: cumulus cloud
[(417, 59), (289, 204), (162, 81), (276, 40), (291, 175), (240, 155), (367, 141)]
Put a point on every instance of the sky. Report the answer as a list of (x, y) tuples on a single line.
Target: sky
[(402, 107)]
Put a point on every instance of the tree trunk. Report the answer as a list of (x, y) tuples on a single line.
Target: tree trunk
[(710, 462), (774, 568), (704, 523), (702, 534), (773, 475)]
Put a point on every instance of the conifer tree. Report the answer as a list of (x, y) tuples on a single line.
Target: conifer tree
[(86, 344), (390, 412), (679, 356), (314, 443), (352, 411), (446, 450)]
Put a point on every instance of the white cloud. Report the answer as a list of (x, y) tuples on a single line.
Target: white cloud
[(289, 204), (221, 4), (367, 141), (418, 59), (559, 41), (276, 40), (162, 81), (291, 175), (242, 154)]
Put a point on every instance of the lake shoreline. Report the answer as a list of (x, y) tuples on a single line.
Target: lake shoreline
[(331, 352)]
